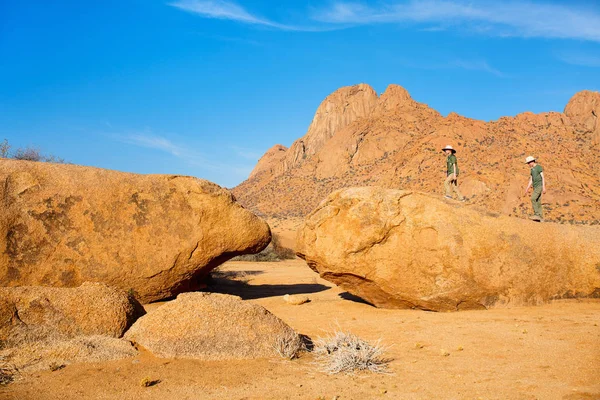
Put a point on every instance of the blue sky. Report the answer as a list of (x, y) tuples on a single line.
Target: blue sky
[(203, 88)]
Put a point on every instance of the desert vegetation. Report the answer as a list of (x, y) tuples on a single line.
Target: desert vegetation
[(28, 153), (339, 352), (275, 251), (344, 352)]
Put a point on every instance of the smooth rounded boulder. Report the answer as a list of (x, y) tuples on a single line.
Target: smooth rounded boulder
[(155, 235), (211, 326), (36, 313), (403, 249)]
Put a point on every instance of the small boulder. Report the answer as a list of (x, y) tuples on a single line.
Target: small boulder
[(295, 299), (210, 326), (35, 313)]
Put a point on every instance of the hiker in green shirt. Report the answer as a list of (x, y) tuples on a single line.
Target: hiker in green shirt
[(451, 182), (539, 186)]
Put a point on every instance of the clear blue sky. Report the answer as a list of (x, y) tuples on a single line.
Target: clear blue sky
[(203, 88)]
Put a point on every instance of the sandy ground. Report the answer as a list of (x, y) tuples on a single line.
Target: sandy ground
[(547, 352), (286, 230)]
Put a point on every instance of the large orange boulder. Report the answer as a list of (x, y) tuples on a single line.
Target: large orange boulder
[(403, 249), (157, 235)]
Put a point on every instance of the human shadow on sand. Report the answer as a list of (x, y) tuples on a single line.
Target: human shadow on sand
[(238, 286)]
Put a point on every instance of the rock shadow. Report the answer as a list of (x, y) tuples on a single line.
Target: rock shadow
[(308, 343), (354, 298), (247, 291)]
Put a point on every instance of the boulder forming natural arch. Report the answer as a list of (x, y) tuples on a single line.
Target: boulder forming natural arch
[(402, 249), (156, 235)]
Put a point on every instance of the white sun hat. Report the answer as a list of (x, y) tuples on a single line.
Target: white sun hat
[(448, 147), (529, 159)]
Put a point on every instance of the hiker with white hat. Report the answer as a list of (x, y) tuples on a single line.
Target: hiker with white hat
[(539, 186), (451, 182)]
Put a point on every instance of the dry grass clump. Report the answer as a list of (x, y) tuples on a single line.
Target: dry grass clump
[(289, 345), (347, 353)]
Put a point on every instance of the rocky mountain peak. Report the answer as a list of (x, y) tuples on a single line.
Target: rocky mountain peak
[(584, 110), (397, 100), (394, 96), (583, 103), (270, 161), (393, 141), (338, 110)]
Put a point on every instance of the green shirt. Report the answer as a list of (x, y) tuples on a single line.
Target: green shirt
[(451, 162), (536, 176)]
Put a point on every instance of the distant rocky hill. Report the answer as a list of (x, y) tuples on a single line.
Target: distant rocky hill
[(359, 139)]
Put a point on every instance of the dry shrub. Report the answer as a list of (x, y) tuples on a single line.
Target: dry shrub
[(4, 149), (347, 353), (267, 255), (275, 251), (290, 345), (27, 154), (284, 253)]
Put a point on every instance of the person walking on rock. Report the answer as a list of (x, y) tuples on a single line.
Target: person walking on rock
[(451, 182), (539, 187)]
